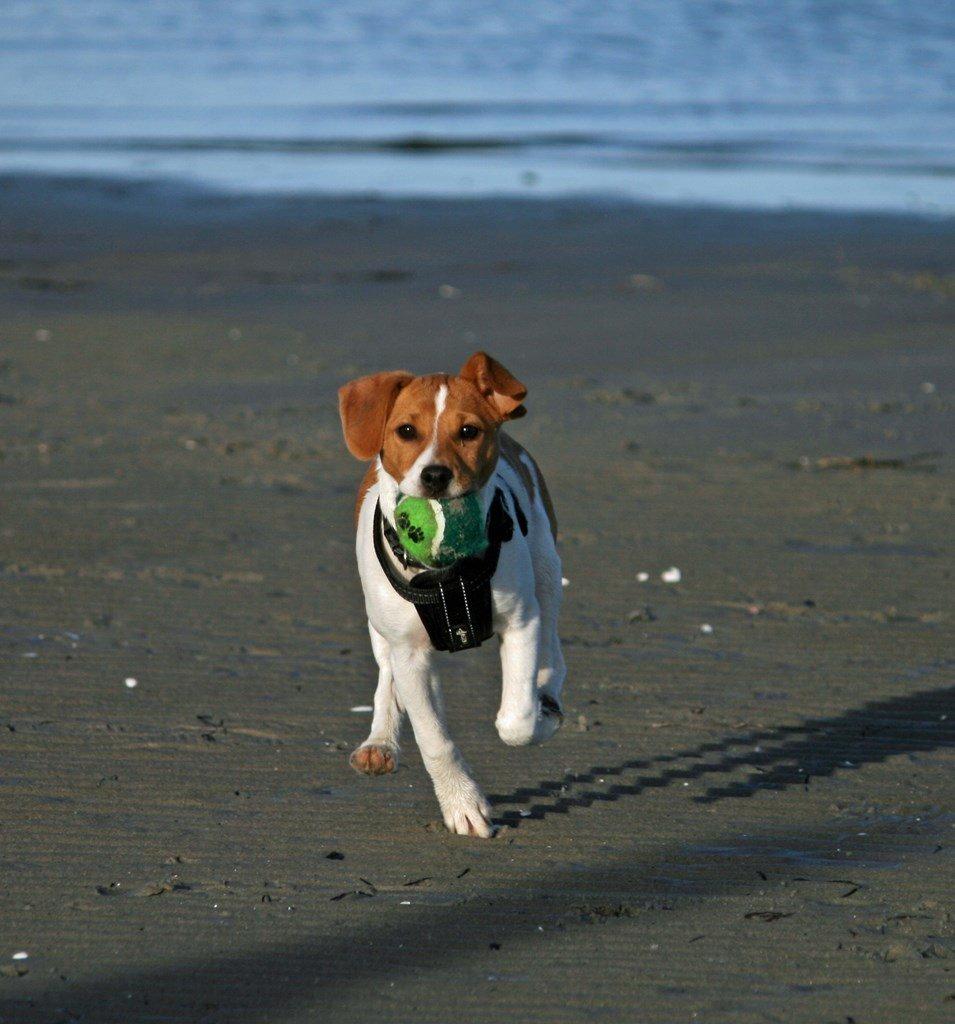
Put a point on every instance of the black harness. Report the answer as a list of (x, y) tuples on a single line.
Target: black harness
[(454, 603)]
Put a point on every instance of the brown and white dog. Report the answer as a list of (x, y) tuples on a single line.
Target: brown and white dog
[(439, 436)]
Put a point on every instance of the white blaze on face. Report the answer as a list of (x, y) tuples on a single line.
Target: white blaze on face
[(411, 482)]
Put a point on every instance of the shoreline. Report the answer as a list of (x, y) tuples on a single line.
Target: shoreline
[(195, 200)]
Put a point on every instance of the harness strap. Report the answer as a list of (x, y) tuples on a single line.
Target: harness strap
[(407, 560), (454, 603)]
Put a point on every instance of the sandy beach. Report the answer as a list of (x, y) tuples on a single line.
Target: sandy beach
[(748, 816)]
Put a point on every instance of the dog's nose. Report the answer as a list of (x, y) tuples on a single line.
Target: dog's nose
[(436, 478)]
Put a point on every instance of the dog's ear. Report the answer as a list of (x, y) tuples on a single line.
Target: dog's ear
[(364, 406), (498, 385)]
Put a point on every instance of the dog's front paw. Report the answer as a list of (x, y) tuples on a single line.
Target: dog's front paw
[(374, 759), (465, 810)]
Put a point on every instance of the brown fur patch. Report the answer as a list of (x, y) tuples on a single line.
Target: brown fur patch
[(364, 405), (497, 384), (414, 406), (470, 460)]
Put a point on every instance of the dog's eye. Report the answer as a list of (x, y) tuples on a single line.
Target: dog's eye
[(406, 432), (469, 432)]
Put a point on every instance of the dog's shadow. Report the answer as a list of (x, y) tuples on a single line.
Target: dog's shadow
[(280, 978), (777, 758)]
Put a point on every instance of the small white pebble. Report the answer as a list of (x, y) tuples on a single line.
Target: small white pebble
[(362, 709), (405, 903), (30, 654), (21, 955), (642, 577), (564, 582), (448, 291), (671, 575), (706, 628), (928, 388), (131, 683)]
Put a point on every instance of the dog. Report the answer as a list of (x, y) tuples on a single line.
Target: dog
[(440, 436)]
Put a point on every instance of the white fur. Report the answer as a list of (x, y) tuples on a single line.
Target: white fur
[(526, 593)]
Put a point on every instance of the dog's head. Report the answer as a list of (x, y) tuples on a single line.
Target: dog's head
[(436, 435)]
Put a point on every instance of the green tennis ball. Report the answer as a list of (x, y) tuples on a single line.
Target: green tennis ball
[(439, 531)]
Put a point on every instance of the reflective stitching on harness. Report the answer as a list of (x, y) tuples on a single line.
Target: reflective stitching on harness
[(444, 605), (467, 607)]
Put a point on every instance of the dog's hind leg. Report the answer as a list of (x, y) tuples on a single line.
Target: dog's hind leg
[(378, 755)]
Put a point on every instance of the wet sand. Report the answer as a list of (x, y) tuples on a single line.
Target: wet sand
[(748, 824)]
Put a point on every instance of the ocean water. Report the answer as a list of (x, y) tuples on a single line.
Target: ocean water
[(847, 104)]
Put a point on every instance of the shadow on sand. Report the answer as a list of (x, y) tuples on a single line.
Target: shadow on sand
[(789, 755), (324, 972)]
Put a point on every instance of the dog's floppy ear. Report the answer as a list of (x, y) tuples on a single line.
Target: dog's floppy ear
[(498, 385), (364, 406)]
